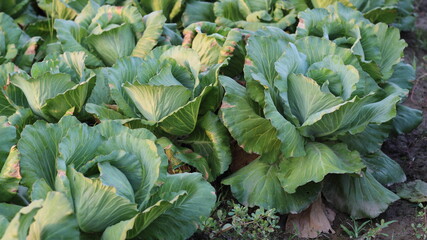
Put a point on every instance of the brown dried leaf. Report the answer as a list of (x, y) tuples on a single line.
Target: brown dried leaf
[(312, 221)]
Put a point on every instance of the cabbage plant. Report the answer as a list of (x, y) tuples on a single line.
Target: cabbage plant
[(183, 12), (161, 89), (169, 93), (57, 86), (69, 9), (106, 180), (304, 112), (378, 47), (399, 12), (15, 45), (107, 33), (216, 45), (252, 15)]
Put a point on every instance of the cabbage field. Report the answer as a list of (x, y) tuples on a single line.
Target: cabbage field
[(139, 119)]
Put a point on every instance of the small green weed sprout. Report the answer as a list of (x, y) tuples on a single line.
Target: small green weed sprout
[(356, 231), (420, 228), (235, 221)]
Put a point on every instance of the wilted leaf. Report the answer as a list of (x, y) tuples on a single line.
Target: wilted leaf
[(311, 222), (415, 191)]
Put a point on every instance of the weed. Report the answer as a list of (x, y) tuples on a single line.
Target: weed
[(377, 230), (237, 223), (357, 231), (420, 228), (421, 36)]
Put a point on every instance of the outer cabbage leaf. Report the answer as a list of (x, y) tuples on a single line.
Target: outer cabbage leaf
[(55, 219), (136, 225), (403, 75), (360, 196), (9, 210), (368, 141), (178, 155), (20, 224), (10, 176), (7, 140), (406, 18), (181, 220), (51, 218), (14, 7), (157, 102), (3, 225), (39, 149), (319, 161), (407, 119), (112, 176), (242, 118), (172, 213), (7, 106), (197, 11), (211, 140), (40, 189), (143, 172), (79, 146), (154, 26), (259, 184), (124, 71), (21, 118), (97, 206), (261, 76), (103, 112), (353, 117), (383, 168)]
